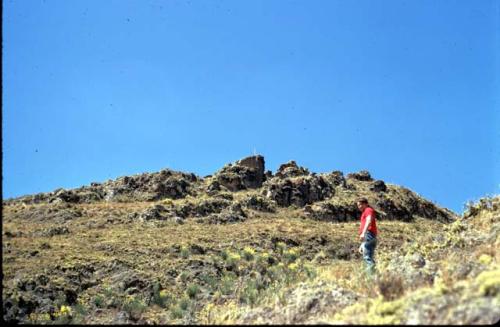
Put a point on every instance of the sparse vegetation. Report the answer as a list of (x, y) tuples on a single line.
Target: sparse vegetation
[(280, 265)]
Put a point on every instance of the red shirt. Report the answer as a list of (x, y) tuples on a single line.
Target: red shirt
[(373, 225)]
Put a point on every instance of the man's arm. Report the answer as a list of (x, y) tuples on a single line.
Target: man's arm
[(365, 227)]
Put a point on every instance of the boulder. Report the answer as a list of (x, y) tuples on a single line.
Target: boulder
[(291, 169), (150, 187), (245, 173), (362, 175), (378, 186), (326, 211), (232, 214), (65, 196), (297, 191), (390, 210), (335, 178), (156, 212), (202, 208), (259, 203), (52, 231)]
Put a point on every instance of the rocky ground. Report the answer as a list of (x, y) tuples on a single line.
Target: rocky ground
[(245, 245)]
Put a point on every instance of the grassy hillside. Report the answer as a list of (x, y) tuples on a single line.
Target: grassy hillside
[(244, 247)]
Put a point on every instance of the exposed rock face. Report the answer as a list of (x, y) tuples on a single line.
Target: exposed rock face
[(202, 208), (142, 187), (61, 230), (150, 187), (37, 294), (335, 178), (245, 173), (179, 212), (291, 185), (298, 191), (392, 211), (419, 206), (259, 203), (295, 185), (362, 175), (232, 214), (326, 211), (156, 212), (291, 169), (378, 186)]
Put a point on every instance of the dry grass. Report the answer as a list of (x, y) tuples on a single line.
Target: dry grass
[(104, 233)]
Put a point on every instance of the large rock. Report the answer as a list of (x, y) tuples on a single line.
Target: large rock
[(326, 211), (259, 203), (378, 186), (142, 187), (291, 169), (335, 178), (298, 191), (232, 214), (202, 208), (390, 210), (243, 174), (150, 187), (362, 175)]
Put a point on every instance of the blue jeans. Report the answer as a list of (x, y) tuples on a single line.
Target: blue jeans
[(369, 246)]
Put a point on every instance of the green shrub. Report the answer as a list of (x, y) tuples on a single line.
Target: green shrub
[(192, 290), (161, 297), (233, 260), (227, 284), (184, 276), (184, 303), (281, 247), (291, 255), (176, 312), (134, 306), (184, 252), (248, 253), (250, 294), (99, 301), (209, 280)]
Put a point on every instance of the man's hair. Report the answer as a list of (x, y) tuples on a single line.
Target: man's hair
[(362, 200)]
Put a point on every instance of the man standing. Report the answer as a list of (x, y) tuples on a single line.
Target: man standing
[(367, 233)]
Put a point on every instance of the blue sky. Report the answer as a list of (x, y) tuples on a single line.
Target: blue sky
[(408, 90)]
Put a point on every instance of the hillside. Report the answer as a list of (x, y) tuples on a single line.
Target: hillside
[(245, 245)]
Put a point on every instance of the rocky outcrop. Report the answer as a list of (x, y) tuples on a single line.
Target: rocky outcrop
[(378, 186), (259, 203), (232, 214), (362, 175), (143, 187), (179, 212), (202, 208), (292, 185), (389, 210), (326, 211), (244, 174), (150, 187), (335, 178), (291, 169), (297, 191)]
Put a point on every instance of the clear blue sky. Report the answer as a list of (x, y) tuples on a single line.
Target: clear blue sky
[(409, 90)]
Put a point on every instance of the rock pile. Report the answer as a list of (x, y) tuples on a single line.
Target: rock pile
[(327, 211), (143, 187), (294, 185), (245, 173), (333, 195)]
